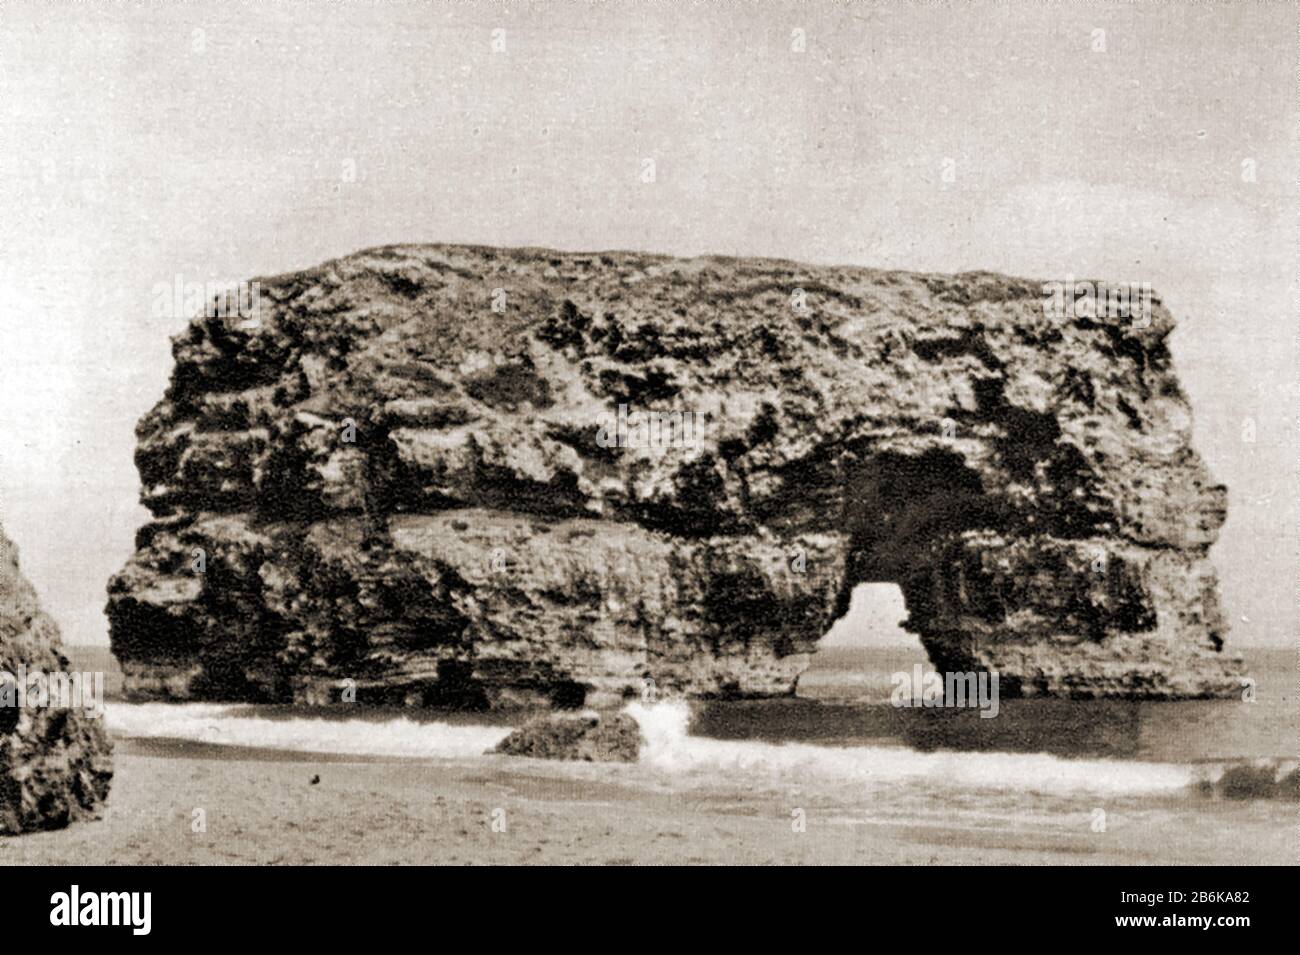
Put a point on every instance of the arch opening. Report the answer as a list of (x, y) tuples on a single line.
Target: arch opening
[(904, 513), (861, 650)]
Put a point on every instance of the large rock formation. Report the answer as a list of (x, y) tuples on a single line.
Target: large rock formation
[(409, 473), (55, 763)]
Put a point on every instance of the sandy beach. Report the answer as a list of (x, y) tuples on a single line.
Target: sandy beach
[(263, 808), (792, 783)]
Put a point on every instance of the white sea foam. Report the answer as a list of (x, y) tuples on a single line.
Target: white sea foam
[(669, 747), (232, 725)]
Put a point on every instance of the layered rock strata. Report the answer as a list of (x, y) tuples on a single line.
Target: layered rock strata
[(470, 476)]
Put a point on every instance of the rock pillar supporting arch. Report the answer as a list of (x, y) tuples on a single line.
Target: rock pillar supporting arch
[(989, 586)]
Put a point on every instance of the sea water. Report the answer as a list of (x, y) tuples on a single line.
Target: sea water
[(841, 728)]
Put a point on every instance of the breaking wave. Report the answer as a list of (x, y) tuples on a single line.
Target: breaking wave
[(237, 725), (669, 747), (670, 750)]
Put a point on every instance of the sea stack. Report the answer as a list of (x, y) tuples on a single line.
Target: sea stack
[(447, 475), (55, 760)]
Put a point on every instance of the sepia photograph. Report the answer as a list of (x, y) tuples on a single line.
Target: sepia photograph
[(653, 434)]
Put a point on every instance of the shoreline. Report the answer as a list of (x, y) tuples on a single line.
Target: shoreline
[(267, 811), (410, 807)]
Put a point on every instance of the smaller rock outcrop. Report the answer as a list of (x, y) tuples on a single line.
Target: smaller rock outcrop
[(1253, 779), (589, 736), (55, 762)]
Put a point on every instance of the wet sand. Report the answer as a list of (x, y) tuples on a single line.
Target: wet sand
[(262, 808)]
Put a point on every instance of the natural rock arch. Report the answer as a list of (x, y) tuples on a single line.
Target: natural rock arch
[(400, 475)]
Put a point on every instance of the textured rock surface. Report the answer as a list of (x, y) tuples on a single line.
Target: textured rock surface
[(55, 764), (591, 737), (397, 478)]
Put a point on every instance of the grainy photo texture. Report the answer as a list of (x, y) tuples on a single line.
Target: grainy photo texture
[(642, 433)]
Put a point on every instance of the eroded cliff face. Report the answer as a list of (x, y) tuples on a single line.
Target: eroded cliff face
[(409, 473), (55, 761)]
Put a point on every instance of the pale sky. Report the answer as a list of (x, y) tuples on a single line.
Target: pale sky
[(138, 142)]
